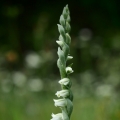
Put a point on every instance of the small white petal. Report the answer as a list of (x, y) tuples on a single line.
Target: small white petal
[(62, 93), (64, 81), (69, 57), (59, 43), (60, 102)]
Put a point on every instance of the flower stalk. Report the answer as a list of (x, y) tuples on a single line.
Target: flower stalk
[(65, 102)]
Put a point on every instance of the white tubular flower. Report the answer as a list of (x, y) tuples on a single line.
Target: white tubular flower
[(60, 102), (69, 57), (69, 70), (64, 81), (62, 93), (58, 116)]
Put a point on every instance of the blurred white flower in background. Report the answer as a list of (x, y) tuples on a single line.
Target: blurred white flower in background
[(47, 55), (104, 90), (33, 60), (87, 77), (85, 34), (35, 84), (19, 79)]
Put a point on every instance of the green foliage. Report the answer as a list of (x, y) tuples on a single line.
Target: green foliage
[(31, 108)]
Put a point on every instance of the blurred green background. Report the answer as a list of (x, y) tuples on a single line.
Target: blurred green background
[(28, 54)]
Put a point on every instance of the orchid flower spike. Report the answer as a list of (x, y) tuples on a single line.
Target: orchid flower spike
[(64, 40)]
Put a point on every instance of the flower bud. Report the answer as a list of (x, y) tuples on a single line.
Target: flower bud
[(58, 116), (68, 39), (64, 81), (68, 18), (62, 93), (69, 70), (61, 56), (62, 20), (65, 14), (61, 29), (59, 42), (61, 38), (67, 7), (68, 28), (60, 102)]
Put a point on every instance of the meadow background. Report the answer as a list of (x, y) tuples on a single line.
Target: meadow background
[(28, 54)]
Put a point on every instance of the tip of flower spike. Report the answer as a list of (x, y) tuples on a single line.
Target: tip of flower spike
[(67, 9), (65, 14), (66, 6)]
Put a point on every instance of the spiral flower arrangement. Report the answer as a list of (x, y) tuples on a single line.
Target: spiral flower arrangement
[(65, 95)]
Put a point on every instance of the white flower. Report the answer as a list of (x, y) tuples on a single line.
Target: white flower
[(64, 81), (60, 102), (62, 93), (69, 70), (57, 116), (19, 79), (69, 57)]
